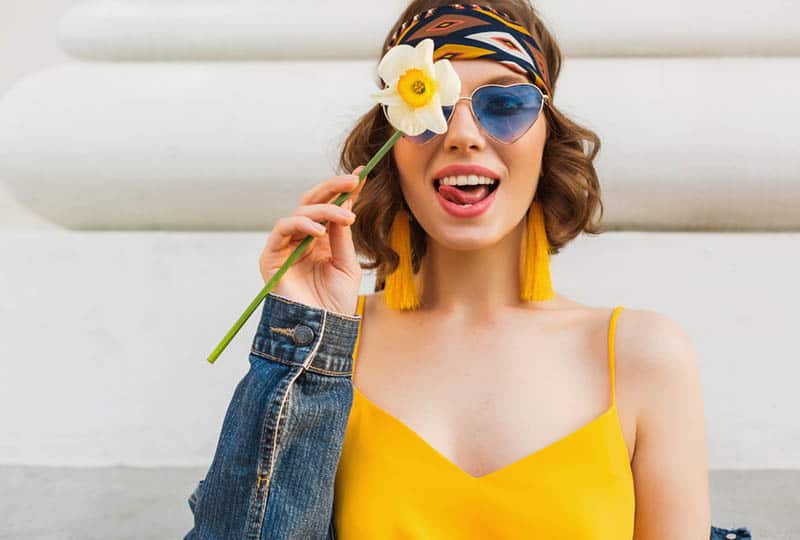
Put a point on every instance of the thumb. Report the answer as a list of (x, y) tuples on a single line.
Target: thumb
[(343, 253), (357, 191)]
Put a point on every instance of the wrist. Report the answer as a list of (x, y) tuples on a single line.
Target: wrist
[(296, 333)]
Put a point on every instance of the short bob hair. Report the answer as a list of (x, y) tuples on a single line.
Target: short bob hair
[(569, 190)]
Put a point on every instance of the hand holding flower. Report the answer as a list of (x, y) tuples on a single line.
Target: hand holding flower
[(415, 93)]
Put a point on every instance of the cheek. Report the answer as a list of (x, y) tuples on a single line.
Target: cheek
[(524, 161), (403, 154), (537, 135), (525, 155), (411, 160)]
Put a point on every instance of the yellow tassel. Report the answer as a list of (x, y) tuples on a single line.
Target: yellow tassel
[(536, 284), (399, 291)]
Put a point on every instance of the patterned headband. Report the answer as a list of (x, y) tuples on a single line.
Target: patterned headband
[(475, 31)]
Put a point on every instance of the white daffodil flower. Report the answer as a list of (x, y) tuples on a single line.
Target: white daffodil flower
[(417, 88)]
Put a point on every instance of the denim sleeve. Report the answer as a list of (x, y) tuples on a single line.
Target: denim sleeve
[(738, 533), (273, 471)]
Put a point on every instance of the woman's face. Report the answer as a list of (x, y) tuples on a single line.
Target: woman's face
[(517, 165)]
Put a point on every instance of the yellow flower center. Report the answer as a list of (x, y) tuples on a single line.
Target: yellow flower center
[(416, 88)]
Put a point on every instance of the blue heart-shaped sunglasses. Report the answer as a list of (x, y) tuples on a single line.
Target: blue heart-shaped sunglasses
[(505, 113)]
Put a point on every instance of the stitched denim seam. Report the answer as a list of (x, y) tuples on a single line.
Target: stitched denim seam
[(263, 479), (256, 519), (276, 435), (315, 369), (322, 371), (275, 358), (283, 331), (304, 306)]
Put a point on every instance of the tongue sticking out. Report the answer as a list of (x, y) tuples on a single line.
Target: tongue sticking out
[(475, 194)]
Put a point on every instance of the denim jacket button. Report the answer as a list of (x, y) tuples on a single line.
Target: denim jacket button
[(303, 335), (730, 536)]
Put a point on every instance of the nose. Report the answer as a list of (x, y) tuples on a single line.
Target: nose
[(463, 131)]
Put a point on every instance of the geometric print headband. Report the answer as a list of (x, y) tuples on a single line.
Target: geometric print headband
[(475, 31)]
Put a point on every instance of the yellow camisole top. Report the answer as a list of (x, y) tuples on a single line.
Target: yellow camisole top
[(391, 484)]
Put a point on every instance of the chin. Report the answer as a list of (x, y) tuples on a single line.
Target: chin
[(464, 237)]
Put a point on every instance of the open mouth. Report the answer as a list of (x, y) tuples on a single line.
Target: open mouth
[(465, 194)]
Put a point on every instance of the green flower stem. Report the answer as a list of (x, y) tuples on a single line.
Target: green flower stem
[(297, 252)]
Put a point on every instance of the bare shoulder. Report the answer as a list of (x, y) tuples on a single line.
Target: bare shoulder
[(659, 373), (653, 345), (645, 337), (651, 350), (670, 464)]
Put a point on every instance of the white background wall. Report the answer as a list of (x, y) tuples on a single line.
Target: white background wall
[(104, 334), (28, 43)]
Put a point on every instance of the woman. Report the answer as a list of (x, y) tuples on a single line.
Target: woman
[(481, 404)]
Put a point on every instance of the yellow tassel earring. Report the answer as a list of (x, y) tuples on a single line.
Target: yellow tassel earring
[(399, 291), (536, 284)]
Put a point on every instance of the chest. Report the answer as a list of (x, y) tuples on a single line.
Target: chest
[(484, 396)]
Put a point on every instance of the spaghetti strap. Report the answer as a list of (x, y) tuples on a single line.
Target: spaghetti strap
[(611, 331), (359, 312)]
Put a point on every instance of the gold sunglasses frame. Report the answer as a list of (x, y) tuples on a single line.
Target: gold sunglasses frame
[(545, 99)]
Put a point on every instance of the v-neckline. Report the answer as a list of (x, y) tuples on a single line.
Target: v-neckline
[(497, 472)]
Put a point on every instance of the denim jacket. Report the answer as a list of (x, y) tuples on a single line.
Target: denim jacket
[(273, 471)]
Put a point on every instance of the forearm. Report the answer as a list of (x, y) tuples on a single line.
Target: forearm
[(274, 468)]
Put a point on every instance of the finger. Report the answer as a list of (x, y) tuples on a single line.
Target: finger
[(326, 212), (292, 227), (340, 236), (357, 191), (329, 189), (352, 195), (357, 170)]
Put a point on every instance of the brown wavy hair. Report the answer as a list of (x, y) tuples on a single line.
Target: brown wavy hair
[(569, 190)]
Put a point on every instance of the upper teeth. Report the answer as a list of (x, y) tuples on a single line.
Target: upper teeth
[(467, 180)]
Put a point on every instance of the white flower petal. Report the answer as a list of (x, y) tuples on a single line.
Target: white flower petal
[(448, 81), (405, 119), (424, 51), (395, 62), (388, 96), (432, 116)]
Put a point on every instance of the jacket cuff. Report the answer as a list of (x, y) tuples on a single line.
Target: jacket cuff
[(296, 333)]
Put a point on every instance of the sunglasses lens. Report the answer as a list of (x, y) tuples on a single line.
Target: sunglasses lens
[(507, 112)]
